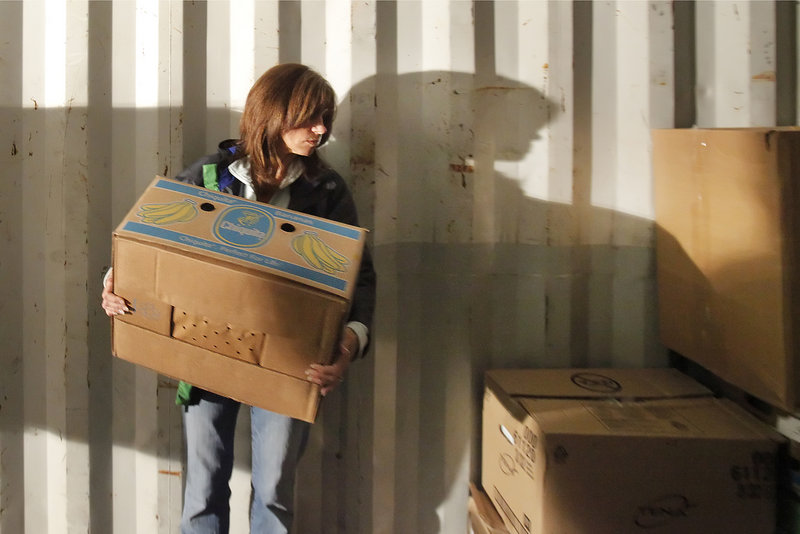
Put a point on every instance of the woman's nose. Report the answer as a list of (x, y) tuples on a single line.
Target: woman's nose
[(319, 128)]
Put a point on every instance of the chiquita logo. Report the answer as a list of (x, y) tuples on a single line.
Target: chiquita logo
[(244, 227)]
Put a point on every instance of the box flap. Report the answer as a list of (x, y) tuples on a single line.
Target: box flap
[(686, 418), (484, 513), (658, 383), (311, 250), (727, 251), (256, 386)]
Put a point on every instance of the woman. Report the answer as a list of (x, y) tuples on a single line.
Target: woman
[(288, 115)]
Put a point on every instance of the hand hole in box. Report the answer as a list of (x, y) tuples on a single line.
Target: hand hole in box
[(288, 227), (207, 206), (507, 434)]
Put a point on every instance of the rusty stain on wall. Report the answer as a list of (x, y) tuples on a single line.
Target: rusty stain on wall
[(462, 168), (767, 76), (497, 88)]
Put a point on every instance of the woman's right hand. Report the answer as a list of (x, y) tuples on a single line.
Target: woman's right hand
[(112, 304)]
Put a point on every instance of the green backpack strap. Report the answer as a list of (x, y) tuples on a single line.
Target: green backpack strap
[(184, 395), (210, 181), (210, 177)]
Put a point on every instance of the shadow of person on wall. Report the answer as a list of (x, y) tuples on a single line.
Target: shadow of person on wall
[(474, 272), (420, 151), (439, 163)]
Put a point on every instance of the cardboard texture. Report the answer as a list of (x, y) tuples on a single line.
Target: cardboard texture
[(230, 295), (482, 516), (558, 464), (727, 254)]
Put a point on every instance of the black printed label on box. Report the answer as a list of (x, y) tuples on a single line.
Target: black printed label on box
[(755, 479), (524, 441)]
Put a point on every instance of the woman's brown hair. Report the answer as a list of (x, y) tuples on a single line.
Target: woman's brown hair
[(286, 96)]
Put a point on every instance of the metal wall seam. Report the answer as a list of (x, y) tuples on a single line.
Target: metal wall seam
[(385, 229), (12, 290), (44, 276), (76, 228)]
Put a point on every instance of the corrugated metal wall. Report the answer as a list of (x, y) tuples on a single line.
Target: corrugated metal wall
[(499, 152)]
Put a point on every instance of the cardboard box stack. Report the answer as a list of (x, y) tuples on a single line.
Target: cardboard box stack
[(614, 451), (728, 251), (231, 295)]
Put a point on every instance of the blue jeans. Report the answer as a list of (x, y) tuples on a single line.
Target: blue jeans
[(277, 444)]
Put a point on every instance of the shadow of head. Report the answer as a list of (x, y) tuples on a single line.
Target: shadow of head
[(440, 112), (437, 134)]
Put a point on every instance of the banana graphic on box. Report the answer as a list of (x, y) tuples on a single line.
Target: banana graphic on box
[(319, 255), (169, 213), (250, 218)]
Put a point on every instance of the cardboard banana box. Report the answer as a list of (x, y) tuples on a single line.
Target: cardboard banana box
[(231, 295)]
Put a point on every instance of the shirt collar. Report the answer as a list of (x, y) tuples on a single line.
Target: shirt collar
[(241, 170)]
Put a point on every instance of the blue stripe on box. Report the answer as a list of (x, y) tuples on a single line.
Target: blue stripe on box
[(237, 253), (293, 216), (206, 194)]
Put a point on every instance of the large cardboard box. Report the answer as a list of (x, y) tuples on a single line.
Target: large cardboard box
[(727, 206), (623, 451), (234, 296)]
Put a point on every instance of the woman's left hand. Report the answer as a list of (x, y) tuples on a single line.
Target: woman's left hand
[(327, 377)]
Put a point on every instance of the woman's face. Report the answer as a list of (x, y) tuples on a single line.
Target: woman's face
[(304, 139)]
